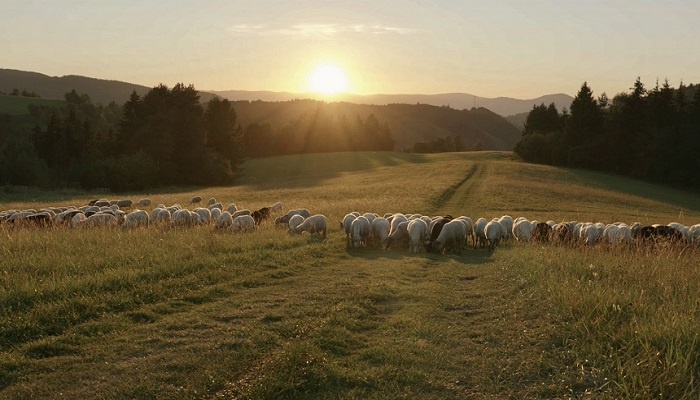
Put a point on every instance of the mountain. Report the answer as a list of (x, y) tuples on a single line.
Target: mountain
[(54, 87), (501, 105)]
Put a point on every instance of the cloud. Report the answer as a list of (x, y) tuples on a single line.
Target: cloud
[(319, 31)]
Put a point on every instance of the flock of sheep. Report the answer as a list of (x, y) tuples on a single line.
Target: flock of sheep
[(446, 233), (415, 232), (114, 213)]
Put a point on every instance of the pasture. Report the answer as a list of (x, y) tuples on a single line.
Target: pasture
[(189, 313)]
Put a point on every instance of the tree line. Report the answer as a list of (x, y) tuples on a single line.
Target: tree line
[(165, 137), (647, 134)]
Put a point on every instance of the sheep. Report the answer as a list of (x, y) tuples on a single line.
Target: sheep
[(145, 202), (185, 217), (562, 233), (542, 232), (284, 220), (243, 223), (360, 229), (76, 219), (507, 222), (204, 214), (238, 213), (452, 236), (161, 215), (493, 231), (345, 224), (260, 215), (223, 221), (215, 213), (590, 234), (379, 231), (217, 205), (370, 217), (479, 226), (277, 207), (417, 232), (136, 219), (522, 230), (694, 234), (97, 220), (295, 221), (102, 203), (196, 200), (211, 202), (232, 209), (396, 219), (398, 234), (434, 229), (313, 224), (126, 203), (470, 227)]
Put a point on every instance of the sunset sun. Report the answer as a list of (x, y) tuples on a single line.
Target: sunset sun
[(328, 79)]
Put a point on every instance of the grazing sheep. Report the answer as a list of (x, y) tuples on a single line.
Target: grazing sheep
[(260, 215), (185, 217), (417, 232), (398, 235), (479, 226), (434, 230), (98, 220), (126, 203), (522, 230), (215, 213), (313, 224), (370, 217), (284, 220), (217, 205), (136, 219), (294, 222), (396, 220), (161, 216), (232, 209), (102, 203), (345, 224), (562, 233), (493, 231), (379, 231), (360, 230), (507, 222), (277, 207), (542, 232), (77, 218), (243, 223), (211, 202), (470, 227), (453, 235), (143, 203), (196, 200), (238, 213), (223, 221), (694, 234), (204, 214)]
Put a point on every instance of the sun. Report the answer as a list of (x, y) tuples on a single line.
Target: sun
[(328, 79)]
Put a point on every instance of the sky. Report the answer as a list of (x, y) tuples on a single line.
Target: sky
[(521, 49)]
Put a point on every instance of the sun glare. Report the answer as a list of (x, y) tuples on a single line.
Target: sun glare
[(328, 79)]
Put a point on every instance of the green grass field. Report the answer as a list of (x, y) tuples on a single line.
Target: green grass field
[(189, 313)]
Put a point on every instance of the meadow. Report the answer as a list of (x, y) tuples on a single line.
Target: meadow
[(189, 313)]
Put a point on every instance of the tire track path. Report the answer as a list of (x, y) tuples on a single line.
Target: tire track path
[(456, 199)]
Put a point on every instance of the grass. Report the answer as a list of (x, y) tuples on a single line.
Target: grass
[(17, 105), (189, 313)]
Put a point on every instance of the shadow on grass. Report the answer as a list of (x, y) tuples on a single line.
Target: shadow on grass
[(468, 256)]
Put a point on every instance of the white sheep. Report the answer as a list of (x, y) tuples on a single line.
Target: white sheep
[(143, 203), (360, 230), (232, 209), (395, 221), (494, 232), (379, 230), (370, 217), (345, 224), (284, 220), (223, 221), (453, 235), (136, 219), (417, 233), (243, 223), (313, 224), (507, 222), (185, 217), (98, 220), (479, 226), (277, 207), (126, 203), (694, 234), (76, 219), (161, 216), (238, 213), (295, 221), (217, 205), (204, 214), (522, 230), (398, 234), (470, 228)]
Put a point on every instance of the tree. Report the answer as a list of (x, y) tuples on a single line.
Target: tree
[(220, 124), (584, 130)]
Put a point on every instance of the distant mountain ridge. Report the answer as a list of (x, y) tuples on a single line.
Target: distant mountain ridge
[(503, 106), (104, 91)]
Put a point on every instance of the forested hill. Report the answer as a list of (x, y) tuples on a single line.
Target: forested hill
[(409, 123)]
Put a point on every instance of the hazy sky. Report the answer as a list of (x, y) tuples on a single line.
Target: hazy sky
[(520, 49)]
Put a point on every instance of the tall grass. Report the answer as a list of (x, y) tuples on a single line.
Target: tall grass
[(191, 313)]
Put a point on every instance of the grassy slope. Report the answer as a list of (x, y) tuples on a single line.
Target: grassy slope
[(187, 313), (17, 105)]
